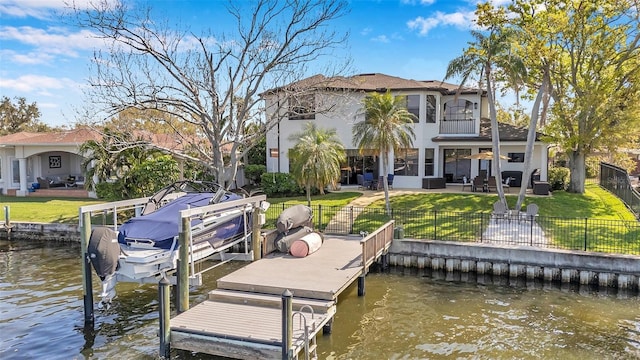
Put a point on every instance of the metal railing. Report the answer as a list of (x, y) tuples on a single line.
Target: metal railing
[(459, 126), (616, 180), (599, 235)]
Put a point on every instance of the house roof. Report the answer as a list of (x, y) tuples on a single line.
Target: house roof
[(67, 137), (507, 132), (375, 82)]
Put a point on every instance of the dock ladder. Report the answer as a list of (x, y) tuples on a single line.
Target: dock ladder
[(310, 345)]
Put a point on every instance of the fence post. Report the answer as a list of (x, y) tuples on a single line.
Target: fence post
[(481, 227), (585, 233), (319, 217), (164, 317), (435, 224)]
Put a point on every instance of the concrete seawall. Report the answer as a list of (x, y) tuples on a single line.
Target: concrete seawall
[(40, 231), (549, 265)]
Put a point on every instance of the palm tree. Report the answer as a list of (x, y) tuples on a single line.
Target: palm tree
[(315, 159), (493, 50), (387, 128)]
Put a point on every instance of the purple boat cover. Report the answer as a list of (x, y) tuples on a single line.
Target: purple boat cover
[(161, 226)]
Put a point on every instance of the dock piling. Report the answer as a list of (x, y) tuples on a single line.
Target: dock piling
[(183, 265), (164, 288), (87, 283), (287, 323), (361, 289)]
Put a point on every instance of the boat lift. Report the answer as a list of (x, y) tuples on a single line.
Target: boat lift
[(183, 275)]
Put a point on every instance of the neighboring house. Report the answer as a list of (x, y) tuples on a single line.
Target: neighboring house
[(25, 157), (450, 126), (54, 157)]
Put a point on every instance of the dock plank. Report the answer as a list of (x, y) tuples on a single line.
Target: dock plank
[(321, 275)]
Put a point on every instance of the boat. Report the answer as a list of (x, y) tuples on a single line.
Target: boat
[(146, 247)]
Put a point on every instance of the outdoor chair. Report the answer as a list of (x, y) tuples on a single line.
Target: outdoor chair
[(465, 183), (507, 181), (360, 181), (44, 183), (368, 182), (532, 211), (500, 211), (478, 184), (491, 184), (390, 181)]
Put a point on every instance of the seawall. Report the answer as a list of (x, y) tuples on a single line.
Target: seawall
[(40, 231), (549, 265)]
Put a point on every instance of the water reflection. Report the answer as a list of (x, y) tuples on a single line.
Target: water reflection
[(406, 314)]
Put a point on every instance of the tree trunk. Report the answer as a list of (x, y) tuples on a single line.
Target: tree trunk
[(385, 169), (578, 171), (308, 195), (531, 138), (495, 136)]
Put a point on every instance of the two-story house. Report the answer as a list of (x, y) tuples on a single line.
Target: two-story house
[(451, 125)]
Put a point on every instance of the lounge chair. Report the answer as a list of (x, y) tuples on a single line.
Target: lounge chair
[(506, 184), (500, 211), (44, 183), (360, 181), (368, 182)]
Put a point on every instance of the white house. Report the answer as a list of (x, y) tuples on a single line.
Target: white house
[(450, 126)]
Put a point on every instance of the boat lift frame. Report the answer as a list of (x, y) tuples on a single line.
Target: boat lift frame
[(254, 204)]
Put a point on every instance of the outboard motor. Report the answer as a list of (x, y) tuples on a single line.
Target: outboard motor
[(104, 252)]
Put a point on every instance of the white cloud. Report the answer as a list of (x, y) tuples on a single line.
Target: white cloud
[(37, 84), (40, 9), (30, 58), (380, 38), (52, 40), (460, 19), (366, 31), (422, 2)]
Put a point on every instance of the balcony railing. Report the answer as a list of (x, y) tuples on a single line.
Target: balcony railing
[(462, 126)]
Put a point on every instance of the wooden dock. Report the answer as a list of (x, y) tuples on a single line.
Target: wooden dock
[(243, 317)]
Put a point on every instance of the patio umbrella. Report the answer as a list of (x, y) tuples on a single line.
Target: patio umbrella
[(487, 155)]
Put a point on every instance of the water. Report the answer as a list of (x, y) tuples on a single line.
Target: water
[(404, 315)]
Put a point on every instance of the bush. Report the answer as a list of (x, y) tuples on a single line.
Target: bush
[(279, 185), (253, 173), (559, 178), (110, 191)]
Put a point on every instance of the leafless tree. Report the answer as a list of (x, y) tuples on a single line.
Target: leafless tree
[(213, 82)]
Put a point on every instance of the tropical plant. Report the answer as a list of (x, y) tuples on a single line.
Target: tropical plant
[(315, 159), (486, 53), (386, 129)]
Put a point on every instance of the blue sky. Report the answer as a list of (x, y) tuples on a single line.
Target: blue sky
[(46, 60)]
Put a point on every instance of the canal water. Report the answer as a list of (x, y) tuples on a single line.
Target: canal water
[(405, 314)]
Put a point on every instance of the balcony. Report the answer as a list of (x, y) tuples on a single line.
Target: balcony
[(461, 126)]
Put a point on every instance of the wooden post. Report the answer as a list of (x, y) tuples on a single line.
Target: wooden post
[(164, 288), (256, 239), (287, 326), (87, 283), (361, 290), (183, 265)]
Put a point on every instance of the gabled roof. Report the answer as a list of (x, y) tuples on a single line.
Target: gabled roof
[(374, 82), (507, 132)]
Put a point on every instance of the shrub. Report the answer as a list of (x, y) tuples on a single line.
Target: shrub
[(110, 191), (559, 178), (253, 173), (280, 184)]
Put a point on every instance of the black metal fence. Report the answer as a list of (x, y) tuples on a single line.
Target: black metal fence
[(609, 236), (616, 180)]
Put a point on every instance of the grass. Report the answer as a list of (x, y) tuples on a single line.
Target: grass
[(325, 206), (45, 210)]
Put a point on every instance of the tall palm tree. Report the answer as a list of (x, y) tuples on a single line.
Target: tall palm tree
[(387, 127), (315, 159), (486, 53)]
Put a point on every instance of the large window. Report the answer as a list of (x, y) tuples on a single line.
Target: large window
[(457, 164), (429, 157), (458, 110), (413, 106), (302, 107), (406, 162), (431, 109), (516, 157)]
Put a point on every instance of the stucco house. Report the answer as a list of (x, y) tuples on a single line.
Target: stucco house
[(451, 125), (54, 156)]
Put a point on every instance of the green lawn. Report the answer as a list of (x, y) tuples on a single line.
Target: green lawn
[(46, 210)]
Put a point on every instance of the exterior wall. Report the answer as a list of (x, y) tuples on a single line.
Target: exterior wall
[(346, 110)]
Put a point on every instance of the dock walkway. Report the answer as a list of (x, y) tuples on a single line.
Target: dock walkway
[(242, 318)]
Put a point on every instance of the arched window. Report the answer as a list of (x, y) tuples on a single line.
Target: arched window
[(458, 110)]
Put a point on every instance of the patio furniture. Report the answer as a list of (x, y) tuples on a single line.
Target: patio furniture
[(540, 188), (506, 185), (434, 183), (500, 211), (478, 184), (491, 184), (390, 180), (532, 211), (44, 183), (360, 181), (368, 182), (465, 183)]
